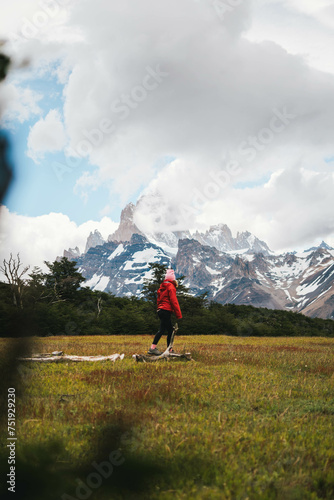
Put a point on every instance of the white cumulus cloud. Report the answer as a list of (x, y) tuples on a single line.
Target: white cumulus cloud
[(45, 237), (18, 104), (149, 80), (47, 135)]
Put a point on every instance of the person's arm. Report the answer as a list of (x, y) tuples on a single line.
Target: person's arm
[(174, 302)]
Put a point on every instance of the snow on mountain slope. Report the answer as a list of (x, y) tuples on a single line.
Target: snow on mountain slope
[(120, 268), (289, 281), (296, 282), (220, 237), (239, 270)]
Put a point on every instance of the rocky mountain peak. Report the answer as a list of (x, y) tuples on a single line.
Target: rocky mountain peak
[(71, 253), (128, 212), (126, 226), (94, 239), (323, 245), (248, 240), (220, 237)]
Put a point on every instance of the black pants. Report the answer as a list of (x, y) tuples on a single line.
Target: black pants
[(165, 325)]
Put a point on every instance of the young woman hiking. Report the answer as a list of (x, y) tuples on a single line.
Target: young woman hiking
[(167, 303)]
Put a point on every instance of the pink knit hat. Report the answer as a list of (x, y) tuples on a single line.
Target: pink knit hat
[(170, 275)]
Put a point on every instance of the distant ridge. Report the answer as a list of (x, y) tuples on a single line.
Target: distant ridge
[(240, 270)]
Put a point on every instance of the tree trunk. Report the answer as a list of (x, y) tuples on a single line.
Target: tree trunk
[(59, 356)]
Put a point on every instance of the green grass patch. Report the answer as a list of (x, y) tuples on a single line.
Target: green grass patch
[(249, 418)]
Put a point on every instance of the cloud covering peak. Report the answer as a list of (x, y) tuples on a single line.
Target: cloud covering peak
[(181, 102)]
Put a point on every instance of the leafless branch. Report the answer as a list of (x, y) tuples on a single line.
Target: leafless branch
[(14, 275)]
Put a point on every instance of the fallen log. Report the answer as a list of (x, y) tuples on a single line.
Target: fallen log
[(166, 356), (59, 356)]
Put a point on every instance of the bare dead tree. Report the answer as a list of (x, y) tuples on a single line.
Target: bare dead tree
[(13, 271)]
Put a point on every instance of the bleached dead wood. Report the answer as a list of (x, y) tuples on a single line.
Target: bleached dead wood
[(166, 356), (59, 356)]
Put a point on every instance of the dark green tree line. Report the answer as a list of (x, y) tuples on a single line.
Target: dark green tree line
[(56, 302)]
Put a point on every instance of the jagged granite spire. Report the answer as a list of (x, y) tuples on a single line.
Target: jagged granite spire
[(94, 239), (220, 237), (126, 226), (71, 253)]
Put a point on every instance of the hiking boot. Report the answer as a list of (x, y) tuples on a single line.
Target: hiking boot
[(154, 351)]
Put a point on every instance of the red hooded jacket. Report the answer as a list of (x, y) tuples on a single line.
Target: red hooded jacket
[(167, 298)]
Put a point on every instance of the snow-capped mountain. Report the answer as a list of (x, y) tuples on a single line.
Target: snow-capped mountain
[(322, 245), (120, 268), (240, 270), (220, 237), (298, 282)]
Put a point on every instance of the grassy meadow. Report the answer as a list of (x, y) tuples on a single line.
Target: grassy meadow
[(249, 418)]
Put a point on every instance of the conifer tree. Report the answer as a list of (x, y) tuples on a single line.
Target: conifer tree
[(63, 280)]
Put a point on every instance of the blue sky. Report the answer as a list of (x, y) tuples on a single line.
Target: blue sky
[(37, 189)]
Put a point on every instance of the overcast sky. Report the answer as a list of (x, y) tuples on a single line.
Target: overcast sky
[(209, 112)]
